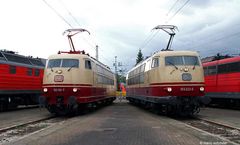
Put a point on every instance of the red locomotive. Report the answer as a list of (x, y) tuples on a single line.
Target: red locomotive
[(20, 79), (222, 79)]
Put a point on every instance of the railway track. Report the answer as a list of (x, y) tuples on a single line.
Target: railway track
[(21, 107), (225, 132), (18, 131), (228, 106)]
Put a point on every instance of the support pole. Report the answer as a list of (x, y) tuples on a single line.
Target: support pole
[(97, 52), (116, 74)]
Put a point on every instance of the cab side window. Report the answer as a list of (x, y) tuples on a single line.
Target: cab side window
[(205, 71), (88, 64), (212, 70), (12, 69), (37, 72), (155, 62), (29, 71)]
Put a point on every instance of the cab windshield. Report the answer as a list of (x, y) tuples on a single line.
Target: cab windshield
[(181, 60), (73, 63)]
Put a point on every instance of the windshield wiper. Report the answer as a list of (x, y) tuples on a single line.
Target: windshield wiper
[(71, 67), (172, 64), (194, 65), (51, 69)]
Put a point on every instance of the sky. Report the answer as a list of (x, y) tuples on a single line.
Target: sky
[(120, 27)]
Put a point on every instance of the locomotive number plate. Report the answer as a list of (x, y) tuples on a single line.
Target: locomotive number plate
[(186, 77), (58, 89), (186, 89), (58, 78)]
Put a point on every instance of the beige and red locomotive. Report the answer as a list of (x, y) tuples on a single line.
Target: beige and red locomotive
[(73, 80), (172, 81)]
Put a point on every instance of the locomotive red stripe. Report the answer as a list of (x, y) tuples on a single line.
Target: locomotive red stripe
[(71, 85), (83, 95), (162, 91), (177, 83)]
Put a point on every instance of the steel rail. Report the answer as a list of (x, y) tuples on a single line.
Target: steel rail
[(223, 131)]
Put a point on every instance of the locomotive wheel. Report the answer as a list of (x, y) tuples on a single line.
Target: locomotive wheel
[(190, 111), (49, 108)]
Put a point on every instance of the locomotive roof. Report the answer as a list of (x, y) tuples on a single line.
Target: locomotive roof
[(222, 61), (10, 57), (172, 53), (77, 56), (165, 53)]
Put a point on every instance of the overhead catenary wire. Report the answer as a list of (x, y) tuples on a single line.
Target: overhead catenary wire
[(56, 12), (148, 39), (213, 51), (76, 21), (211, 37), (92, 44), (108, 60), (151, 36), (172, 7), (177, 11), (204, 43), (212, 42), (62, 17), (215, 40)]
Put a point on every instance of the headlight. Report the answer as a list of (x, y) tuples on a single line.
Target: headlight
[(201, 89), (45, 90), (169, 89), (75, 89), (186, 69)]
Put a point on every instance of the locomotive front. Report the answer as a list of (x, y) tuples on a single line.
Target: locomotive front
[(181, 79), (171, 80), (74, 80), (62, 82), (180, 74)]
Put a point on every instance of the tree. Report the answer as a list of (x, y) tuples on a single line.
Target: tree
[(139, 56)]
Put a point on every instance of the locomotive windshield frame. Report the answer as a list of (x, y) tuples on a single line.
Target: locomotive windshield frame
[(182, 60), (63, 63)]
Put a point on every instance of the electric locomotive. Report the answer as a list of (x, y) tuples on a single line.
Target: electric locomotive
[(73, 80), (20, 80), (171, 81), (222, 79)]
